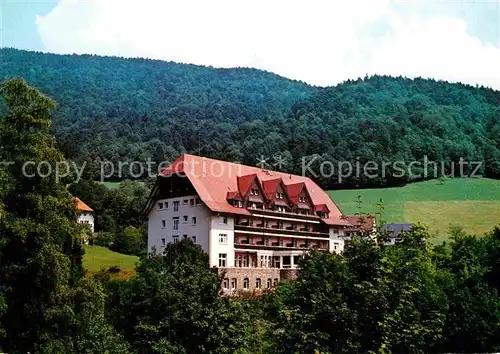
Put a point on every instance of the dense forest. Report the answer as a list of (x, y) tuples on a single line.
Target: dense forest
[(412, 297), (134, 109)]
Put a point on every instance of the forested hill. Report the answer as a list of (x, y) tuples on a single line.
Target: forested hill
[(132, 109), (397, 119)]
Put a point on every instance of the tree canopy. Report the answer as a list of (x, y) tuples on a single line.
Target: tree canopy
[(45, 304)]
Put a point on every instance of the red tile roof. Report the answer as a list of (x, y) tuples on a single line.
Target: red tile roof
[(244, 183), (234, 196), (213, 179), (81, 206), (294, 189), (365, 222), (322, 208), (270, 186)]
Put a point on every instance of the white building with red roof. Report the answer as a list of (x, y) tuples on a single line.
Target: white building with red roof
[(253, 223), (85, 214)]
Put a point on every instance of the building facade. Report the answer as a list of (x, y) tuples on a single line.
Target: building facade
[(255, 224), (85, 216), (361, 224)]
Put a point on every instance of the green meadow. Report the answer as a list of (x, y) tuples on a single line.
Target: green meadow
[(473, 203), (97, 258)]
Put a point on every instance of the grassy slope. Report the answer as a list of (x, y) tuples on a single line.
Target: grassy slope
[(472, 203), (115, 185), (97, 257)]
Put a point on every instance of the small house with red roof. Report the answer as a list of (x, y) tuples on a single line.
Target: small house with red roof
[(85, 214), (361, 224), (254, 223)]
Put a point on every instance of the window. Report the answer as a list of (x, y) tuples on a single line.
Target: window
[(222, 259), (277, 262), (225, 283), (193, 238), (160, 205), (335, 231), (254, 191), (257, 283), (296, 260), (176, 223), (176, 238), (184, 236), (287, 261), (164, 224), (185, 201), (233, 284), (275, 282), (269, 280), (335, 246), (194, 220), (163, 242), (166, 205), (185, 219), (223, 238), (246, 284), (253, 206), (277, 196), (198, 201), (191, 202), (176, 206), (223, 219)]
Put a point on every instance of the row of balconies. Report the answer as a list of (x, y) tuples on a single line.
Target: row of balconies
[(303, 213), (269, 241), (281, 227)]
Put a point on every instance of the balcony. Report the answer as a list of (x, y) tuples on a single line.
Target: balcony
[(270, 212), (285, 231), (273, 244)]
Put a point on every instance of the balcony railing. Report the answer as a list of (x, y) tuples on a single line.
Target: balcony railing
[(290, 230), (274, 244), (286, 213)]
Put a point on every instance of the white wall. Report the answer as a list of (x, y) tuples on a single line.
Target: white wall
[(156, 231), (216, 228), (336, 239), (86, 219)]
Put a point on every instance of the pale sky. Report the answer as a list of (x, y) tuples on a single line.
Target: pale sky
[(319, 42)]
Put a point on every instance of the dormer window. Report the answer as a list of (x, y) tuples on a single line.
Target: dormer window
[(302, 199), (277, 196), (254, 191), (325, 216)]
